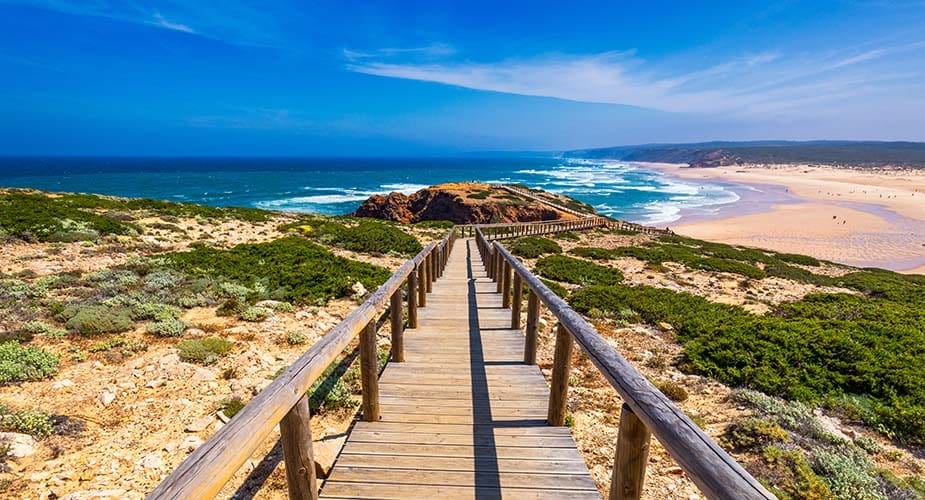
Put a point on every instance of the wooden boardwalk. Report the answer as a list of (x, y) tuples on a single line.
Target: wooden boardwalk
[(463, 416)]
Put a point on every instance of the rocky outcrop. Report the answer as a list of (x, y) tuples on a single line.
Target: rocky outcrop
[(460, 203)]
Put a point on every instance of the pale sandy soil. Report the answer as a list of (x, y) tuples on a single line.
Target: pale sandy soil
[(857, 217)]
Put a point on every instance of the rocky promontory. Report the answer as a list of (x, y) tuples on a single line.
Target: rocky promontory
[(469, 203)]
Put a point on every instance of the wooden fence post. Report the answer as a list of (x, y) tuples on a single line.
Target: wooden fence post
[(629, 468), (413, 298), (499, 270), (506, 285), (517, 302), (398, 326), (533, 318), (369, 372), (296, 436), (558, 392), (429, 282)]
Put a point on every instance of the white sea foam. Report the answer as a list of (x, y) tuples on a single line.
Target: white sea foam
[(403, 188)]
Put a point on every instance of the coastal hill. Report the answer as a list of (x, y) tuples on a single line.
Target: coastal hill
[(473, 203), (870, 154)]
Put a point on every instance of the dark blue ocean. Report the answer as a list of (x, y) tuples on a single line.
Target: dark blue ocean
[(337, 186)]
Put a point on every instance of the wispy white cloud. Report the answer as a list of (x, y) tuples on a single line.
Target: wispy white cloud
[(767, 82), (236, 22), (435, 50)]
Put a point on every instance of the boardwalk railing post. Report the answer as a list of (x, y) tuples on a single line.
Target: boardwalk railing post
[(558, 392), (629, 468), (499, 271), (506, 285), (429, 282), (413, 298), (296, 436), (533, 318), (422, 283), (398, 326), (369, 372), (516, 302)]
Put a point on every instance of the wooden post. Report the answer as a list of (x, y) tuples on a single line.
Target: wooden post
[(629, 468), (429, 282), (499, 270), (506, 285), (533, 318), (369, 372), (413, 298), (422, 283), (516, 302), (398, 325), (490, 264), (296, 435), (558, 392)]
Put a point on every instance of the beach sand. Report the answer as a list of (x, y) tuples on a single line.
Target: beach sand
[(856, 217)]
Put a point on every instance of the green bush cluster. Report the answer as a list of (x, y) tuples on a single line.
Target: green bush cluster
[(755, 433), (577, 271), (435, 224), (167, 327), (255, 314), (824, 346), (34, 423), (532, 247), (556, 288), (127, 346), (230, 407), (672, 390), (793, 476), (357, 234), (204, 351), (98, 319), (289, 268), (19, 363)]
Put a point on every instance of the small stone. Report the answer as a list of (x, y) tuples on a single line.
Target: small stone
[(191, 443), (107, 397), (325, 452), (194, 332), (666, 326), (674, 470), (155, 383), (237, 330), (359, 291), (201, 424), (61, 384), (19, 445), (221, 416), (203, 375), (170, 447), (151, 461)]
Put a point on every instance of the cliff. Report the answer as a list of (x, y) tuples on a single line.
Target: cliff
[(466, 203)]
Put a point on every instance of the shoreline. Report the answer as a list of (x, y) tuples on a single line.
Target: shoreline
[(856, 217)]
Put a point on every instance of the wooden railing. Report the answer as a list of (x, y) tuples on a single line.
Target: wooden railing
[(527, 194), (518, 229), (285, 400), (645, 410)]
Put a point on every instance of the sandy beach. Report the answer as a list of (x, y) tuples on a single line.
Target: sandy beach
[(856, 217)]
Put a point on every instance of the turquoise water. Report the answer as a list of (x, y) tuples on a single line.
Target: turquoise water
[(337, 186)]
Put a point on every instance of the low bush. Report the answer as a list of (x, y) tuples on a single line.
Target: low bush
[(435, 224), (754, 433), (593, 253), (531, 247), (204, 351), (296, 338), (577, 271), (19, 363), (96, 319), (671, 390), (290, 268), (167, 327), (793, 476), (255, 314), (34, 423), (127, 346), (556, 288), (358, 235), (230, 407), (567, 236)]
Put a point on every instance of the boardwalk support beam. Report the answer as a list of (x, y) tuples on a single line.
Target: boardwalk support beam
[(369, 372), (629, 468), (558, 392), (296, 436)]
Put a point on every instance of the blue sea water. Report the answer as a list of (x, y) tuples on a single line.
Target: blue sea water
[(339, 185)]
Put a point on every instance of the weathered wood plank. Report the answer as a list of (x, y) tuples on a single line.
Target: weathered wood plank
[(563, 482)]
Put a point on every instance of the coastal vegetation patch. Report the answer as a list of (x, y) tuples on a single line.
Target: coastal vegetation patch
[(864, 355), (38, 216), (19, 363), (577, 271), (531, 247), (356, 234)]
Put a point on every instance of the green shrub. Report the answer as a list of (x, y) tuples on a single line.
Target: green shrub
[(794, 476), (255, 314), (20, 363), (479, 195), (30, 216), (531, 247), (127, 345), (296, 338), (204, 351), (671, 390), (154, 310), (579, 272), (435, 224), (167, 327), (291, 268), (803, 260), (755, 433), (358, 235), (34, 423), (556, 288), (230, 407), (567, 236), (593, 253), (36, 327), (847, 471), (95, 320)]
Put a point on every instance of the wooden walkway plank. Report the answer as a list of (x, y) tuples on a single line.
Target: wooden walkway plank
[(463, 416)]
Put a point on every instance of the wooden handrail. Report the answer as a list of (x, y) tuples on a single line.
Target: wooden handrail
[(284, 401), (716, 473)]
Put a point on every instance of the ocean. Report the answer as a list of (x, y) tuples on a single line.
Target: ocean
[(339, 185)]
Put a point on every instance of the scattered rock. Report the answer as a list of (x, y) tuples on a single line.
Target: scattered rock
[(201, 424), (203, 375), (107, 397), (61, 384), (153, 384), (191, 443), (19, 445), (674, 470), (194, 332), (359, 291), (151, 461), (666, 326), (237, 330), (326, 451)]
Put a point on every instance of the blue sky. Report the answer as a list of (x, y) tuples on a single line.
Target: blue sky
[(175, 77)]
